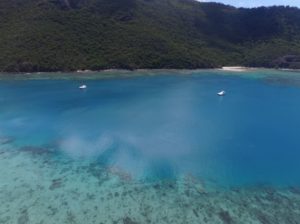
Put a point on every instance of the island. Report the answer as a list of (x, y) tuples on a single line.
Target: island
[(71, 35)]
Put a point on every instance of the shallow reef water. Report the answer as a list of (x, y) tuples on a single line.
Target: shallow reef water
[(39, 189), (157, 147)]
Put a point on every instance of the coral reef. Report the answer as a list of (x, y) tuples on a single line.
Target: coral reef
[(35, 191)]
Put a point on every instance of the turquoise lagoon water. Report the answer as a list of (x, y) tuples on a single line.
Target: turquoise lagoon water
[(150, 147)]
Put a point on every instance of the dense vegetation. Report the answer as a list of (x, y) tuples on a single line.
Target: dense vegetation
[(52, 35)]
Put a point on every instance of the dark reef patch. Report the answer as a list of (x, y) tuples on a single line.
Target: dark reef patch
[(98, 172), (262, 217), (56, 183), (225, 217), (128, 220), (195, 213), (23, 218), (36, 150), (283, 80), (295, 190), (6, 140)]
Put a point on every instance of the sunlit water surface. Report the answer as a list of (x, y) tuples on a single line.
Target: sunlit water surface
[(150, 147)]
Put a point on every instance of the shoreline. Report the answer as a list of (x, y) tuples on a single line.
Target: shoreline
[(236, 69)]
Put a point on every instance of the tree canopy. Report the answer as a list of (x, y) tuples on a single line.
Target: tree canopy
[(65, 35)]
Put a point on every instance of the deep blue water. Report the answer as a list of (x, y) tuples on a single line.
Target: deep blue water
[(165, 126)]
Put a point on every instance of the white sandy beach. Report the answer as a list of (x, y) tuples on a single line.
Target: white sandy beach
[(235, 68)]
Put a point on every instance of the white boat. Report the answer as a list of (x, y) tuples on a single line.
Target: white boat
[(82, 87), (222, 93)]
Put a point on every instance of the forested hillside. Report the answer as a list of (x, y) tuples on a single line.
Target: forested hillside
[(63, 35)]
